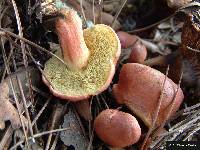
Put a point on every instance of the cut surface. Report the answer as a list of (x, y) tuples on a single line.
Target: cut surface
[(104, 48)]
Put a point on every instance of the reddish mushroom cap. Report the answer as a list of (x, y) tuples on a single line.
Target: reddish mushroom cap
[(138, 53), (139, 88), (117, 128), (138, 50), (126, 39)]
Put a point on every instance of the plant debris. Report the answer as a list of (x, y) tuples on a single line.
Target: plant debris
[(74, 136), (8, 111)]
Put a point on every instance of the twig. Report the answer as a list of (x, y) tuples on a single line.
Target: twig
[(41, 111), (53, 147), (191, 133), (118, 12), (33, 44), (82, 11), (6, 137), (39, 68), (39, 135), (91, 139), (13, 91), (100, 10), (156, 113), (26, 66), (93, 11), (151, 26), (188, 6), (55, 120), (8, 60), (192, 49)]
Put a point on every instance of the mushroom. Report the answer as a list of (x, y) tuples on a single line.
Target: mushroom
[(90, 56), (140, 87), (126, 40), (117, 128), (138, 50), (138, 53)]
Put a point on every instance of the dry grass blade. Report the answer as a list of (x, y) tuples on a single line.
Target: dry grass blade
[(192, 49), (32, 44), (179, 131), (169, 111), (152, 25), (38, 135), (82, 11), (93, 11), (100, 4), (118, 12), (53, 147), (6, 136), (26, 65), (144, 146), (189, 5), (41, 111), (54, 122), (13, 90)]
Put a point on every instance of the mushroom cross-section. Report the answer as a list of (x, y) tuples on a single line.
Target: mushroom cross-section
[(78, 81)]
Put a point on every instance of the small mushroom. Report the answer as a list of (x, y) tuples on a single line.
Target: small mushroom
[(138, 50), (90, 56), (138, 53), (140, 87), (126, 40), (117, 128)]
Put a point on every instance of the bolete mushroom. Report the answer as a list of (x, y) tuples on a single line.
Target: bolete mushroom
[(90, 56), (140, 87), (117, 128), (138, 50)]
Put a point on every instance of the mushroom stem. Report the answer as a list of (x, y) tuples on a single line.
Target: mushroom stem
[(159, 60), (162, 60), (70, 33), (83, 108)]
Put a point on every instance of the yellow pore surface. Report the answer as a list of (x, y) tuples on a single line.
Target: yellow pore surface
[(103, 45)]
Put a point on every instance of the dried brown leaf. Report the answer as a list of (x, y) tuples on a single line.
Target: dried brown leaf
[(8, 111), (74, 136)]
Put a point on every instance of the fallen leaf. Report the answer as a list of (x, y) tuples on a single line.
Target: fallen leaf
[(74, 136), (21, 74), (8, 111)]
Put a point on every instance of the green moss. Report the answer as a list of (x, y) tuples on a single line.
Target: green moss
[(93, 77)]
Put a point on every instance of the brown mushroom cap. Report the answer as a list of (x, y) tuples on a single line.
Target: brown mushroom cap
[(139, 88), (138, 53), (138, 50), (104, 49), (117, 128), (126, 40)]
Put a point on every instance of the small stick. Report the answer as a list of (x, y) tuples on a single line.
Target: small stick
[(6, 137), (155, 113), (31, 43), (41, 111), (118, 12), (39, 135)]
